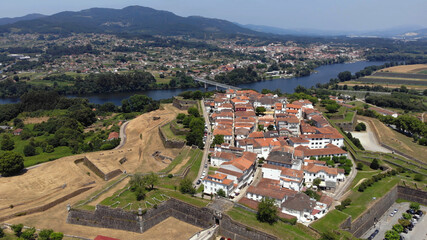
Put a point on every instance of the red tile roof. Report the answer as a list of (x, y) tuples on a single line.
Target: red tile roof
[(99, 237)]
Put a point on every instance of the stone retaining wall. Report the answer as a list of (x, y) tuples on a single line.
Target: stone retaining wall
[(237, 231), (97, 171), (116, 218), (170, 143), (178, 131), (183, 104), (365, 221), (412, 195)]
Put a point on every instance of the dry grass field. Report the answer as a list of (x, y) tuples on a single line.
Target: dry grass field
[(397, 140), (416, 68), (53, 180)]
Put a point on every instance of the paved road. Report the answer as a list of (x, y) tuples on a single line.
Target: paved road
[(369, 140), (343, 187), (386, 223), (207, 145), (122, 135)]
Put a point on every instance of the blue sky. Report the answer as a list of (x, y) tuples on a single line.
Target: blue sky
[(351, 15)]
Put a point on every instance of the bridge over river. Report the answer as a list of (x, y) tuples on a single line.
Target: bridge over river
[(217, 84)]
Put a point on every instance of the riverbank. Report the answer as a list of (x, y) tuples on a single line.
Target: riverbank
[(287, 85)]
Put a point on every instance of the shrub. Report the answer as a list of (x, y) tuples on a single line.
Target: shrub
[(398, 228), (170, 175), (56, 236), (17, 229), (359, 166), (418, 177), (346, 202), (29, 151), (186, 186), (29, 234), (415, 206), (1, 232), (45, 234)]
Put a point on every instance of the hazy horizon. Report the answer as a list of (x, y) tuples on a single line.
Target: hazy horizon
[(326, 15)]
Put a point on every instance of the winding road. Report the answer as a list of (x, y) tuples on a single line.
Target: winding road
[(122, 135)]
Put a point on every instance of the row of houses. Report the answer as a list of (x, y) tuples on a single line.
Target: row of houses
[(288, 137)]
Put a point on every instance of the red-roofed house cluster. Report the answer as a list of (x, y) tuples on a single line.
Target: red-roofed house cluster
[(289, 136)]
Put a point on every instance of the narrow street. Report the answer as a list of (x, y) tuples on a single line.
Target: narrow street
[(207, 145)]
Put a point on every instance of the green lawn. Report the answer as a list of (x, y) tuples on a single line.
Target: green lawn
[(331, 221), (279, 229), (181, 156), (170, 135), (363, 174), (361, 200)]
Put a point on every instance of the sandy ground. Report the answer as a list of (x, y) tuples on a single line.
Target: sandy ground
[(368, 139), (55, 179), (407, 68)]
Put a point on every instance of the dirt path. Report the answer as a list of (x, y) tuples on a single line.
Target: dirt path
[(360, 182), (180, 165)]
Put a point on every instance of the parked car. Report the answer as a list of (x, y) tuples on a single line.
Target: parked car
[(395, 210), (391, 214), (411, 211), (405, 230), (198, 182), (373, 234), (419, 212)]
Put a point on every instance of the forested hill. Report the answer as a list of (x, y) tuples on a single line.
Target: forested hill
[(133, 19)]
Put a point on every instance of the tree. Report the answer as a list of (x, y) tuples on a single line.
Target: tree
[(360, 127), (193, 111), (260, 127), (375, 164), (267, 211), (29, 234), (404, 222), (186, 186), (17, 229), (137, 185), (415, 206), (45, 234), (29, 151), (407, 216), (11, 163), (316, 182), (7, 144), (392, 235), (218, 140), (332, 108), (398, 228), (344, 76), (221, 193), (180, 117), (260, 110), (359, 166), (270, 128), (56, 236), (1, 232), (151, 179)]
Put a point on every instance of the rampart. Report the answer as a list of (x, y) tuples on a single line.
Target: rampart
[(178, 131), (97, 171), (183, 104), (117, 218), (365, 221), (237, 231), (106, 217), (46, 206), (170, 143), (347, 126)]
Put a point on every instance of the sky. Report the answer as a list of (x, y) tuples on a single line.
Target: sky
[(336, 15)]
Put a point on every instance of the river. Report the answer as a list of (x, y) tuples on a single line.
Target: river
[(323, 75)]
